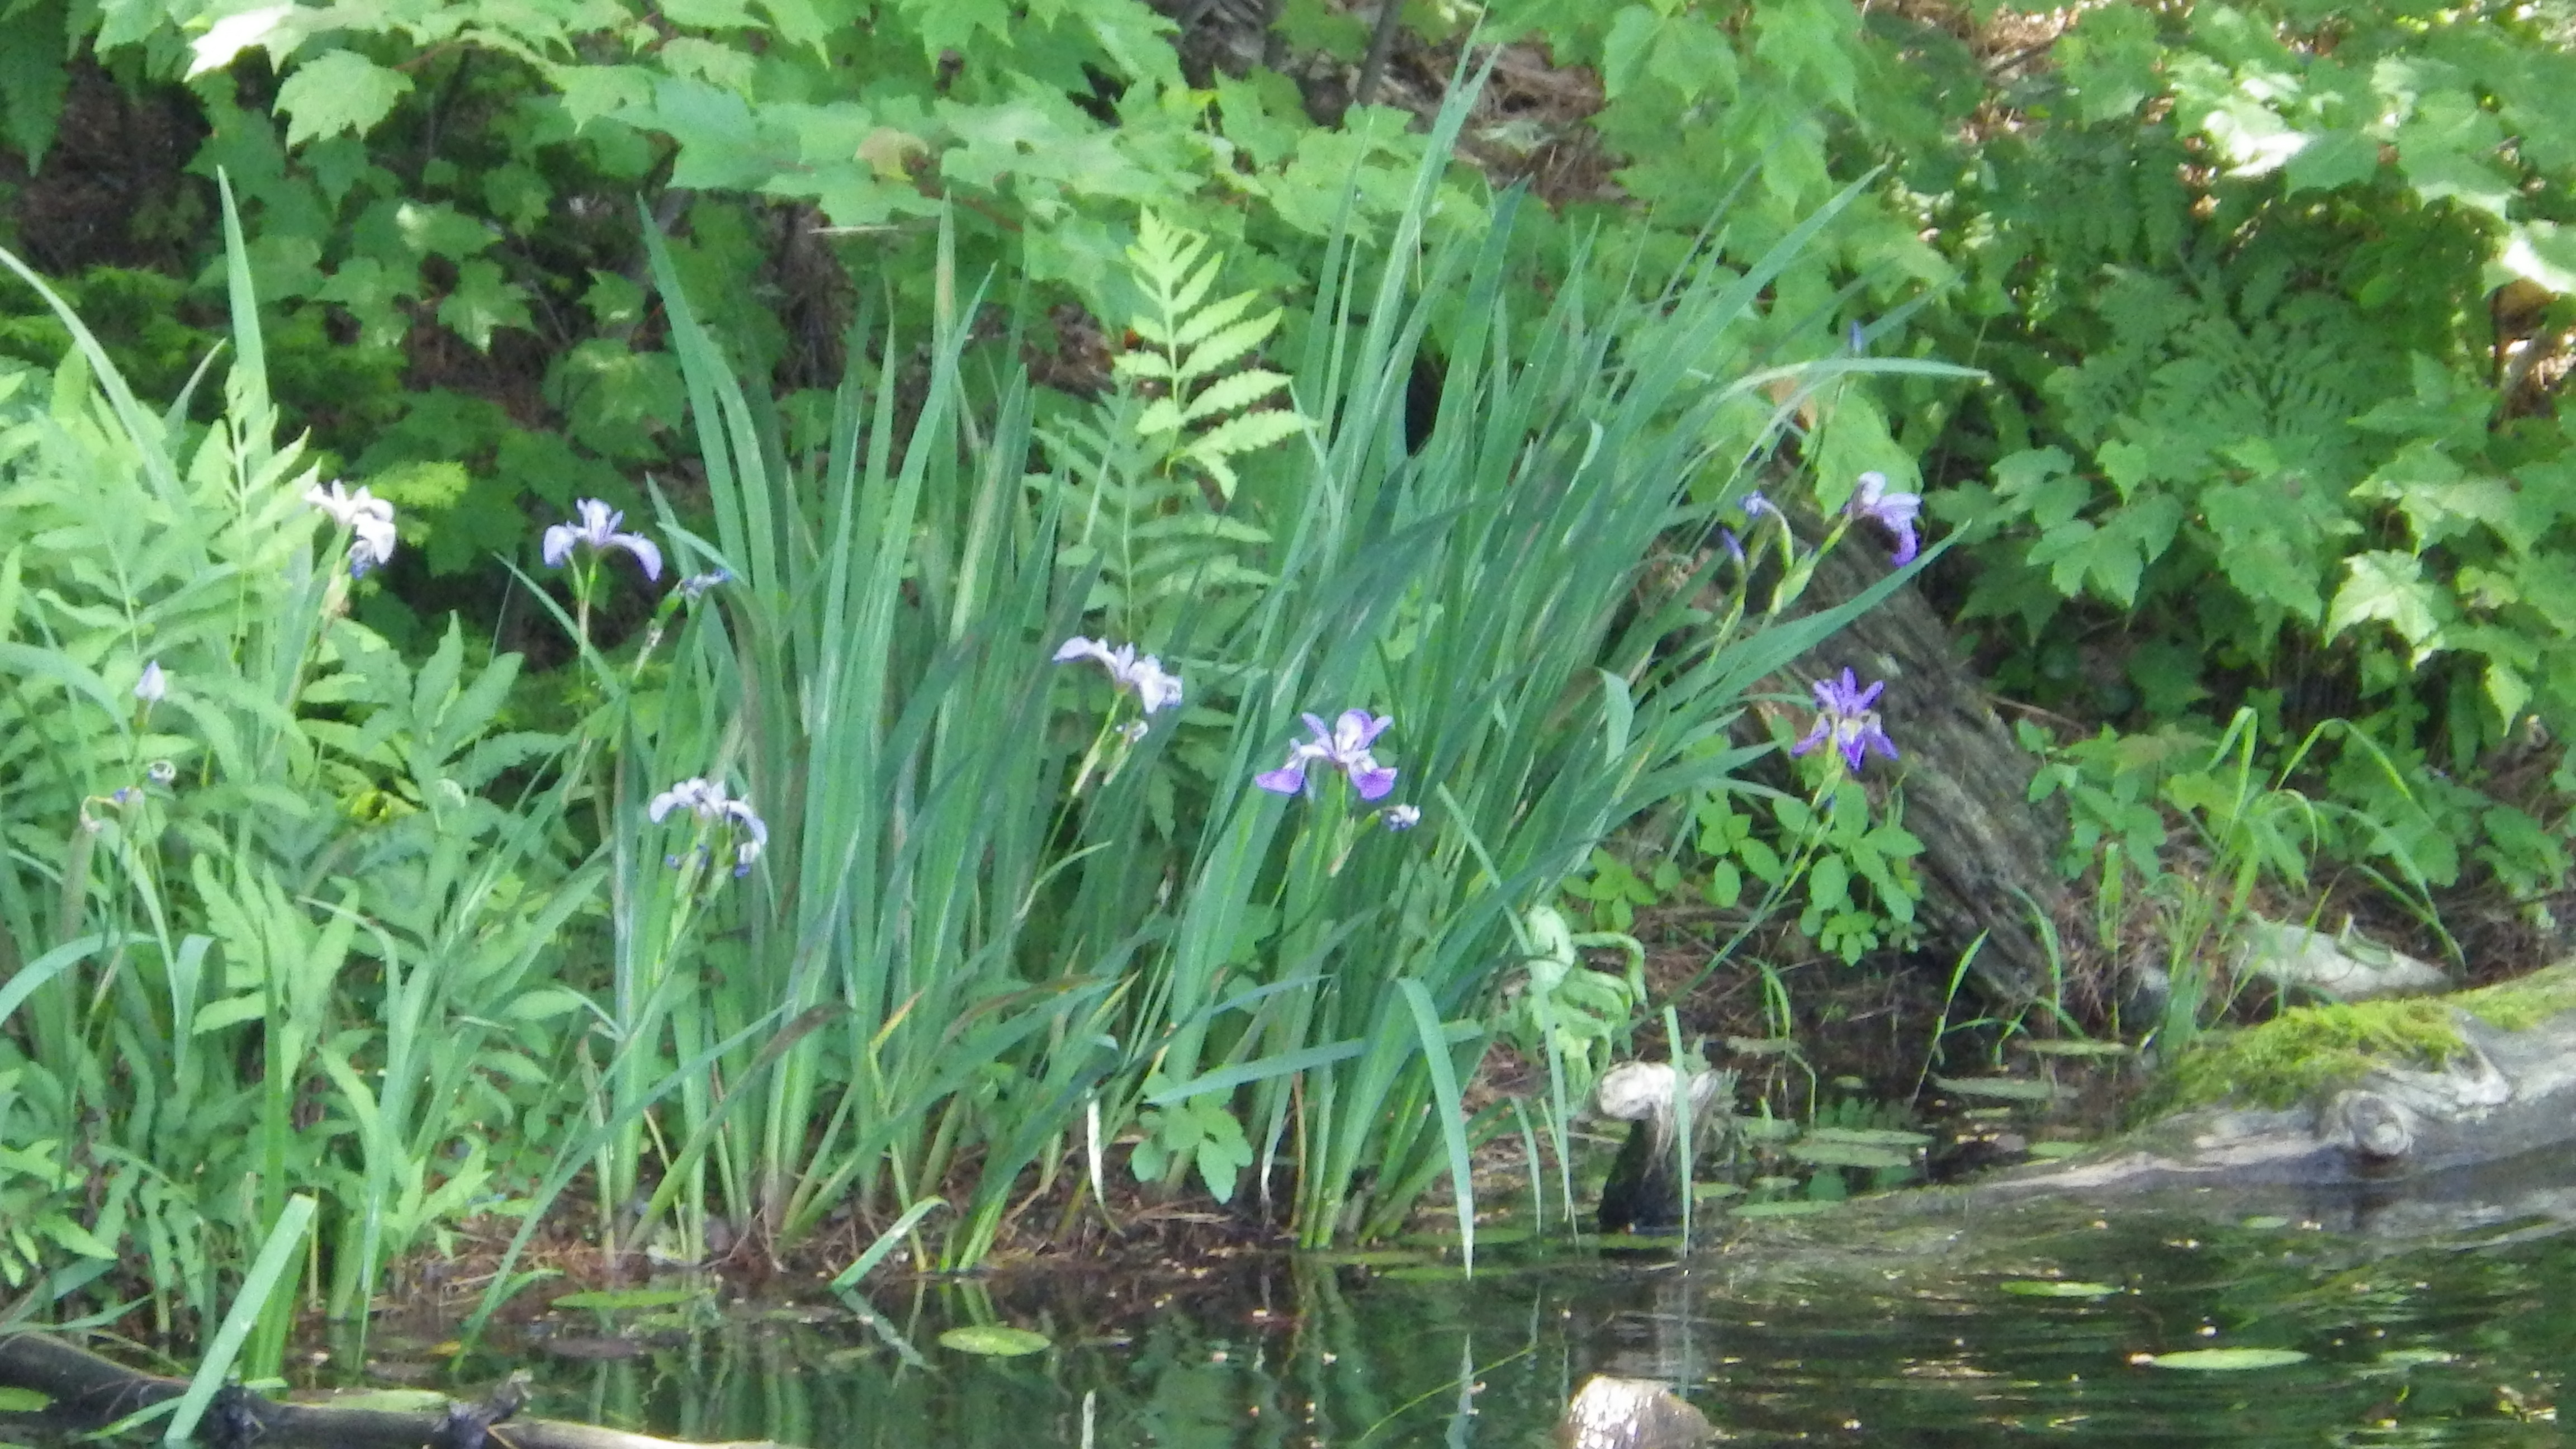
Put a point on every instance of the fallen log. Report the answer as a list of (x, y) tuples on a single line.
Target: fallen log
[(85, 1393)]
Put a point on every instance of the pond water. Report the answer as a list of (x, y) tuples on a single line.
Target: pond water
[(2020, 1324)]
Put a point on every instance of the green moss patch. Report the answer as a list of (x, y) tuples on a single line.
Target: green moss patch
[(2522, 1004), (2310, 1050)]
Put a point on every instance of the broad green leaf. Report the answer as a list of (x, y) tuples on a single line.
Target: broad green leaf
[(1624, 48), (484, 301), (2058, 1288), (338, 91), (708, 14), (2391, 588), (278, 27), (2336, 158)]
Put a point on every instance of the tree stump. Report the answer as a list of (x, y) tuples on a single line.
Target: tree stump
[(1988, 863)]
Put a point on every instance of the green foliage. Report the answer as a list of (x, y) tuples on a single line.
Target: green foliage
[(225, 890), (2278, 293)]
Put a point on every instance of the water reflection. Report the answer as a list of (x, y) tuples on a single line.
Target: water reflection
[(2039, 1328)]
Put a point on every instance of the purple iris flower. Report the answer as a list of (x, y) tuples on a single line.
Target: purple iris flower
[(1845, 718), (153, 685), (1894, 512), (1145, 678), (1345, 747), (1734, 545), (706, 800), (1755, 505), (597, 532)]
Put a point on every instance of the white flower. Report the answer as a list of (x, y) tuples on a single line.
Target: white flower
[(369, 519), (1145, 678)]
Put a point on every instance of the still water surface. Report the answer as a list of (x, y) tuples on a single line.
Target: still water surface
[(1808, 1332)]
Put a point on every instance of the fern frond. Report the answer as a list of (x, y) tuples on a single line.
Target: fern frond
[(1212, 317), (1232, 394), (1227, 344)]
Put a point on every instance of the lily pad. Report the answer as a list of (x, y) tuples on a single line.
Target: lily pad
[(2228, 1360), (2058, 1288), (615, 1300), (22, 1401), (2012, 1089), (994, 1340), (2052, 1151), (1707, 1191)]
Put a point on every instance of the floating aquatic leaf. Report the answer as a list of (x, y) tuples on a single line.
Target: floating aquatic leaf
[(2265, 1223), (1373, 1258), (1704, 1191), (1849, 1154), (22, 1401), (2227, 1360), (1870, 1136), (2051, 1151), (616, 1300), (2016, 1089), (2058, 1288), (1766, 1129), (994, 1340)]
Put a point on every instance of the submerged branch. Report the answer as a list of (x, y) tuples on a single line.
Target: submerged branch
[(85, 1393)]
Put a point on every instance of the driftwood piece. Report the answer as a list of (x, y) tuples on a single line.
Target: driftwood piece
[(87, 1393), (1988, 853)]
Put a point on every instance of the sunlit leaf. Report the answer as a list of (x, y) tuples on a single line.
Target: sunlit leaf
[(2227, 1360), (993, 1340)]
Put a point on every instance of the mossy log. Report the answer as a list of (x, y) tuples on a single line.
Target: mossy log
[(85, 1393), (2381, 1094), (1988, 864)]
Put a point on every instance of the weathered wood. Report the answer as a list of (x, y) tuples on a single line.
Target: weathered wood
[(87, 1393), (1988, 853)]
